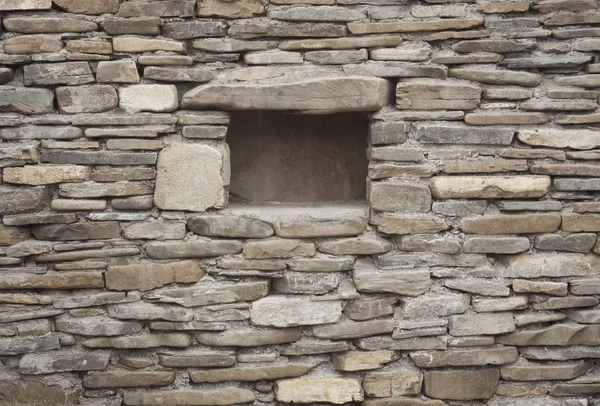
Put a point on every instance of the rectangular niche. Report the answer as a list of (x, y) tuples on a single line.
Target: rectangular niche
[(296, 158)]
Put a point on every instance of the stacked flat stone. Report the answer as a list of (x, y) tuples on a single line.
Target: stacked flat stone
[(127, 279)]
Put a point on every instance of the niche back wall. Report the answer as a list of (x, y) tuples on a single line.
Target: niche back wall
[(448, 255)]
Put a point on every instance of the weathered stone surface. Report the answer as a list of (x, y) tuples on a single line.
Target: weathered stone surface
[(324, 389), (557, 334), (434, 306), (78, 231), (489, 187), (451, 133), (576, 139), (87, 99), (497, 77), (462, 358), (194, 29), (409, 224), (128, 379), (505, 118), (144, 340), (96, 326), (478, 286), (559, 353), (394, 69), (73, 302), (282, 311), (71, 280), (361, 360), (461, 384), (317, 95), (26, 100), (44, 174), (278, 249), (486, 324), (28, 25), (207, 294), (549, 265), (25, 345), (370, 308), (88, 7), (41, 132), (153, 230), (63, 361), (533, 372), (203, 397), (437, 95), (396, 382), (154, 98), (548, 288), (21, 392), (368, 278), (300, 228), (250, 372), (512, 224), (117, 72), (496, 245), (157, 9), (32, 44), (582, 243), (192, 249), (236, 9), (64, 73), (199, 184), (198, 359), (249, 338), (397, 196), (229, 226), (303, 282), (348, 329), (25, 4), (151, 276), (413, 26)]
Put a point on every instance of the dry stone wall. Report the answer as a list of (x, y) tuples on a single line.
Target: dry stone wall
[(128, 277)]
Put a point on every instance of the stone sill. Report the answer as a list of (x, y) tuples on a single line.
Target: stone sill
[(277, 212)]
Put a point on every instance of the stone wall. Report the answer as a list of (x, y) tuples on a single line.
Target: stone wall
[(128, 277)]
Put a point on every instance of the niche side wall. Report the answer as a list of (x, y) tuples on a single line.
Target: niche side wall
[(129, 275)]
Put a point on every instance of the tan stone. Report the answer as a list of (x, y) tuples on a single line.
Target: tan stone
[(230, 9), (26, 392), (37, 25), (402, 225), (461, 384), (117, 72), (325, 389), (505, 118), (396, 382), (513, 224), (88, 6), (278, 248), (87, 99), (282, 311), (342, 43), (151, 276), (53, 280), (144, 340), (399, 197), (249, 338), (485, 324), (497, 77), (489, 187), (548, 288), (192, 177), (550, 265), (32, 44), (138, 45), (463, 358), (368, 278), (45, 174), (361, 360)]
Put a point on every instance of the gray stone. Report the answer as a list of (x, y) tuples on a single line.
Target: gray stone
[(512, 224), (21, 392), (497, 77), (556, 334), (78, 231), (200, 397), (446, 187), (300, 228), (152, 230), (396, 196), (461, 384), (485, 324), (87, 99), (96, 326), (278, 248), (195, 358), (496, 245), (144, 340), (322, 95), (249, 338), (468, 357), (483, 287), (36, 25), (65, 73), (22, 200), (148, 311), (157, 9), (194, 29), (367, 308), (41, 132), (349, 329), (161, 74), (435, 305), (192, 249), (63, 361), (151, 276), (229, 226), (251, 372), (99, 158), (450, 133), (582, 243), (25, 345), (213, 293), (26, 100), (128, 379), (306, 282), (117, 72)]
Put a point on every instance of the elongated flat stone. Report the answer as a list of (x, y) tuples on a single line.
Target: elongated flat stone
[(144, 340), (451, 133), (550, 265), (71, 280), (200, 397), (229, 226), (44, 175), (513, 224), (25, 345), (63, 361), (128, 379), (250, 372), (282, 311), (96, 326), (461, 384), (446, 187), (413, 26), (64, 73), (32, 44), (25, 4), (467, 357), (576, 139), (151, 276), (497, 77), (324, 389), (368, 278), (249, 338), (36, 25), (26, 100), (324, 95), (557, 334), (192, 249)]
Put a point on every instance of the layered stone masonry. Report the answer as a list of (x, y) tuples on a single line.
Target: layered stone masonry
[(128, 278)]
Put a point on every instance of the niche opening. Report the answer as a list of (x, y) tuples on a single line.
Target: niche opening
[(295, 158)]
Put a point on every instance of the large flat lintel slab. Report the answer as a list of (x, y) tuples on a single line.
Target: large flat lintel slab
[(317, 96)]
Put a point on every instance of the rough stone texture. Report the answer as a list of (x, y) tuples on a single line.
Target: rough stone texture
[(129, 259), (192, 177), (321, 95)]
